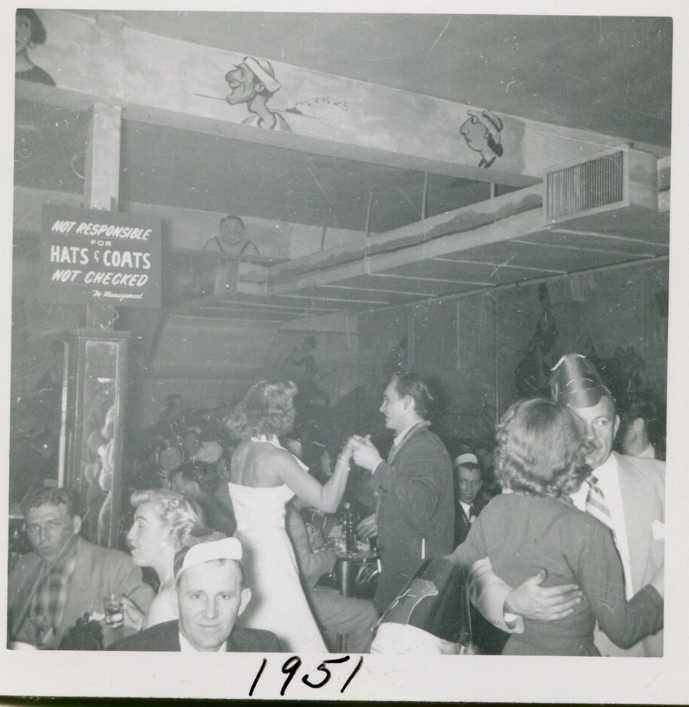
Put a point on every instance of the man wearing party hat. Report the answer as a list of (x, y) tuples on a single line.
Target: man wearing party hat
[(625, 493), (210, 598)]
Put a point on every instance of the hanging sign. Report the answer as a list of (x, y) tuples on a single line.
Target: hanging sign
[(89, 256)]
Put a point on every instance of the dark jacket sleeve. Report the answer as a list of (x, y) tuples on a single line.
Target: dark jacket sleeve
[(416, 478), (253, 640), (474, 548), (601, 578)]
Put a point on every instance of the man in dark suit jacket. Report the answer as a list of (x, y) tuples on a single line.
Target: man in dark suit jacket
[(210, 597), (165, 637), (469, 501), (415, 509)]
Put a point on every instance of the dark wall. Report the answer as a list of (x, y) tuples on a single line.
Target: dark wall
[(471, 347)]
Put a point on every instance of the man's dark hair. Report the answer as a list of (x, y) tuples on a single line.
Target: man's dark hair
[(205, 475), (53, 497), (634, 406), (416, 388)]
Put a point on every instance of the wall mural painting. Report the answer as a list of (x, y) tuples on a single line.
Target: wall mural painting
[(317, 106), (29, 32), (253, 82), (482, 133)]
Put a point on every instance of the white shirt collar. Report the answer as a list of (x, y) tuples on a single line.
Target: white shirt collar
[(186, 647), (604, 471), (407, 430), (649, 452), (607, 468), (466, 507), (609, 483)]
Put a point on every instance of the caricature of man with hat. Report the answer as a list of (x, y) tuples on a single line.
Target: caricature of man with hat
[(632, 491), (253, 82)]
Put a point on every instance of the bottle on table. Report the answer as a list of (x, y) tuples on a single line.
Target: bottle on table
[(349, 528)]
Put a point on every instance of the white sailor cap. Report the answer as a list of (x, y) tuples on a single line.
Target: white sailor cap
[(466, 458), (205, 551)]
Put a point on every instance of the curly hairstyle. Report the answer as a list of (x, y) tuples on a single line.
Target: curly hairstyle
[(542, 447), (267, 408), (179, 515)]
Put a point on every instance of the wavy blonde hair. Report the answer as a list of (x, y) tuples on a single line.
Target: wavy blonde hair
[(267, 408), (178, 514)]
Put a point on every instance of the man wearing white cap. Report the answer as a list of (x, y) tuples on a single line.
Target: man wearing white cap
[(627, 494), (210, 597), (253, 82), (468, 484)]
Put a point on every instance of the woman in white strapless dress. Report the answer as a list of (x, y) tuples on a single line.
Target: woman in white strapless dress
[(264, 477)]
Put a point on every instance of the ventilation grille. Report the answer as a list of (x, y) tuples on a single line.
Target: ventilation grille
[(585, 186)]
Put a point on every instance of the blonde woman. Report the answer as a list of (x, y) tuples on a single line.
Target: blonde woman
[(163, 523), (264, 477)]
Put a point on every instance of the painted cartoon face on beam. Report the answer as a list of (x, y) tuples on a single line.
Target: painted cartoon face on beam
[(482, 133), (243, 85), (253, 82)]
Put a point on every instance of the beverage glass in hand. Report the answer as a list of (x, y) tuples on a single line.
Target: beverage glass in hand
[(114, 611)]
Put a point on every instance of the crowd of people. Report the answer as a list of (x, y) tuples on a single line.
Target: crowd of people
[(560, 554)]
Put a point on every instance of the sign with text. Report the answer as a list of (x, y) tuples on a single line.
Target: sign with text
[(89, 256)]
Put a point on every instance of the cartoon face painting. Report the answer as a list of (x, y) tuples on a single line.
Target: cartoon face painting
[(243, 85), (482, 133), (253, 82)]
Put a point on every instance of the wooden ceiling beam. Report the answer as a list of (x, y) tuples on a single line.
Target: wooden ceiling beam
[(182, 84)]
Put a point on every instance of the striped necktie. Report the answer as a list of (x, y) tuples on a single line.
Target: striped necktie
[(596, 505)]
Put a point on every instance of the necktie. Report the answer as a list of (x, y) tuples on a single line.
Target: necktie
[(596, 505)]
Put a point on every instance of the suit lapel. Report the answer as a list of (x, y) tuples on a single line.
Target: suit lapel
[(396, 449), (635, 516), (459, 512)]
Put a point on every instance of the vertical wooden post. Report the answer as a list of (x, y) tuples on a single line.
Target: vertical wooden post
[(101, 354), (424, 198), (102, 186)]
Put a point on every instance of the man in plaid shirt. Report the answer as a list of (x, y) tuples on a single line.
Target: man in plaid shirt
[(65, 576)]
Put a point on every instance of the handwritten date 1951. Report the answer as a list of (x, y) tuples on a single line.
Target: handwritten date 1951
[(291, 666)]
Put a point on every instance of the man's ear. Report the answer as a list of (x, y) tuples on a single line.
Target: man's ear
[(260, 86), (76, 524), (244, 600), (617, 425)]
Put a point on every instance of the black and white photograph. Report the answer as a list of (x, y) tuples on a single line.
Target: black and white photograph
[(372, 309)]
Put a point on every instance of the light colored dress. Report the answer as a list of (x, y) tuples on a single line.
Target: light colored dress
[(278, 603)]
